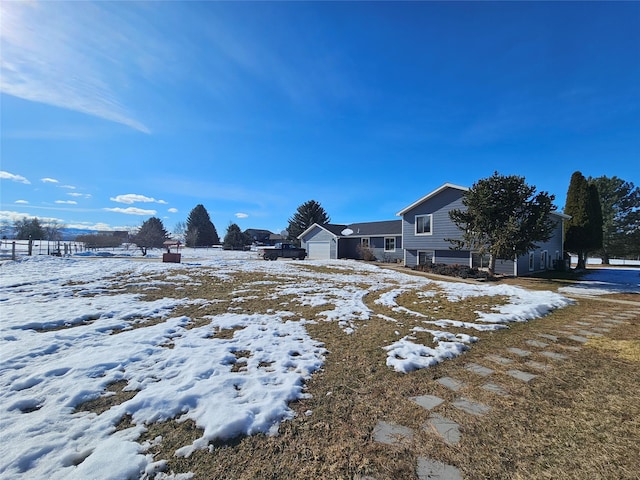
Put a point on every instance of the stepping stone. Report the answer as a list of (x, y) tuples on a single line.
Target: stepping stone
[(578, 338), (584, 324), (478, 369), (450, 383), (537, 365), (553, 338), (427, 402), (497, 389), (519, 351), (434, 470), (565, 333), (447, 429), (469, 406), (499, 359), (391, 433), (554, 355), (537, 343), (520, 375), (570, 347), (617, 322), (602, 330), (589, 333)]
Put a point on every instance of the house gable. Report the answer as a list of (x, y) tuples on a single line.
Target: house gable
[(435, 207)]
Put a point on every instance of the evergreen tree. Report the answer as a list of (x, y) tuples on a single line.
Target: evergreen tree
[(200, 230), (583, 232), (29, 229), (504, 217), (307, 214), (620, 202), (234, 238), (150, 235)]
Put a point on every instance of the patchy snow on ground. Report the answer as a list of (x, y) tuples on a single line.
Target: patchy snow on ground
[(603, 281), (66, 333)]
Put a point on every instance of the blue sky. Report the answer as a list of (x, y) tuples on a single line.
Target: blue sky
[(113, 112)]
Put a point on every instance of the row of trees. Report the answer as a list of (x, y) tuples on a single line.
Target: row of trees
[(605, 218), (34, 229), (503, 217)]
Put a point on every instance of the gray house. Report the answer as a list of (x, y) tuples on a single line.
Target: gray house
[(426, 226), (332, 241)]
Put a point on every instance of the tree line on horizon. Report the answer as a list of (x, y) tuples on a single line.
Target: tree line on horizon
[(504, 217)]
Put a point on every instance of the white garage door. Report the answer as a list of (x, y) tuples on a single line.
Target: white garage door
[(319, 250)]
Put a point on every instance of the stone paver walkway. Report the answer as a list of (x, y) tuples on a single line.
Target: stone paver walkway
[(450, 432)]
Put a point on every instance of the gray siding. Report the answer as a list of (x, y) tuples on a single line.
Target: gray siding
[(504, 267), (349, 248), (553, 247), (441, 225), (321, 235), (453, 257)]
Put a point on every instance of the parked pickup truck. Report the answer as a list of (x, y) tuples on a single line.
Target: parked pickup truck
[(285, 250)]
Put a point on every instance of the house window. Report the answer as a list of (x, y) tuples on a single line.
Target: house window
[(531, 260), (543, 260), (389, 244), (479, 260), (425, 257), (423, 224), (364, 242)]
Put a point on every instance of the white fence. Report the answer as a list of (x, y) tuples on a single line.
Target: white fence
[(14, 249)]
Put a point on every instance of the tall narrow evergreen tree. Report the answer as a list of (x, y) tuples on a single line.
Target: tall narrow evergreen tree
[(583, 232), (200, 229), (306, 215), (504, 217)]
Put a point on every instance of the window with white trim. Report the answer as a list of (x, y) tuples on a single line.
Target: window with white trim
[(389, 244), (424, 224), (364, 242), (531, 261)]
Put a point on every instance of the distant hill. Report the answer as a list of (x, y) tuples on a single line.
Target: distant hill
[(68, 234), (71, 233)]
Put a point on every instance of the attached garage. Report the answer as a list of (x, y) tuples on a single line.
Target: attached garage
[(319, 250)]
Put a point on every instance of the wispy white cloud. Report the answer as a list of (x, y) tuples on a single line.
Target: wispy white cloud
[(22, 202), (241, 215), (131, 211), (173, 210), (15, 178), (76, 194), (68, 56), (49, 180), (10, 216), (70, 187), (131, 198), (66, 202)]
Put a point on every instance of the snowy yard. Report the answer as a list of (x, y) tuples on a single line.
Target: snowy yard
[(70, 327)]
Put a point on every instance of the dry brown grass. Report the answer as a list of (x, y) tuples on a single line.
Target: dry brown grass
[(580, 419)]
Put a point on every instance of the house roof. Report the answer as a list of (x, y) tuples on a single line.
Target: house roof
[(431, 195), (365, 229), (463, 189), (332, 228), (387, 227)]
